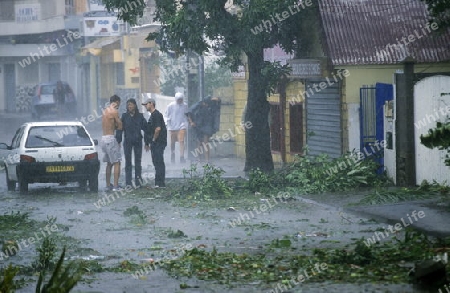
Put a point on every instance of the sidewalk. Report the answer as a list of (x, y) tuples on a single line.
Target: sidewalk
[(435, 212), (233, 167), (435, 222)]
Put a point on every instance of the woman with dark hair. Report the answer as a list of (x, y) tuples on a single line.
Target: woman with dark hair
[(132, 123)]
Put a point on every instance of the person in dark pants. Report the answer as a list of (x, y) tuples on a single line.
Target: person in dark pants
[(132, 123), (156, 140), (204, 117)]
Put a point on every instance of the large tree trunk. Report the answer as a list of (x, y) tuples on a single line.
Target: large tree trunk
[(257, 137)]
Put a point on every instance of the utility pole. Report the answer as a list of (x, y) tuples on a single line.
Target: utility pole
[(192, 86), (405, 149)]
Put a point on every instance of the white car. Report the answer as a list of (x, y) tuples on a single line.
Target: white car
[(50, 152)]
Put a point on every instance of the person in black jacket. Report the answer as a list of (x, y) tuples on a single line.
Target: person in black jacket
[(132, 123), (204, 118), (156, 140)]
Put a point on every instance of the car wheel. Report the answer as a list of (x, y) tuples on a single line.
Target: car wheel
[(23, 185), (10, 183), (93, 184)]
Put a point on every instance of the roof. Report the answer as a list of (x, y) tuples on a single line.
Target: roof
[(381, 32), (53, 123), (102, 42), (95, 48)]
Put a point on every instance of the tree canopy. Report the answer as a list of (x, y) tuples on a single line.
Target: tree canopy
[(440, 12), (240, 30)]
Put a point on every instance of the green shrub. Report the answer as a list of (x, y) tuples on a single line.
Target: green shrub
[(63, 279), (207, 186), (260, 181), (322, 174), (7, 284)]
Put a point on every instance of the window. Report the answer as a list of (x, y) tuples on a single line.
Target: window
[(17, 138), (70, 10), (48, 89), (296, 127), (275, 127), (7, 10), (57, 136)]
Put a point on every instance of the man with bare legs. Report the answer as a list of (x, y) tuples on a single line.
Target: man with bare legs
[(109, 144)]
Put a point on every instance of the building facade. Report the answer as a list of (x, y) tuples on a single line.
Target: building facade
[(76, 41), (39, 41)]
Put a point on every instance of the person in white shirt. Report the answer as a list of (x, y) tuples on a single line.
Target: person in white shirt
[(177, 124)]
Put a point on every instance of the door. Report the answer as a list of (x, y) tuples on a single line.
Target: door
[(275, 127), (323, 118), (431, 104), (371, 115), (296, 128), (10, 87), (14, 153)]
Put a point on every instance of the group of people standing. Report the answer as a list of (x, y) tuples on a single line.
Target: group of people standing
[(203, 116)]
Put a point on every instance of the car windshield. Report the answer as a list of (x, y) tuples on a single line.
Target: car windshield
[(57, 136), (47, 89)]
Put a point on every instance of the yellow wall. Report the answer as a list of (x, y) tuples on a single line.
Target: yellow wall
[(128, 52), (366, 75), (371, 74), (240, 98), (80, 6), (227, 122), (131, 45)]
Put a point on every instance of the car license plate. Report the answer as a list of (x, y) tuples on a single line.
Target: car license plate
[(50, 169)]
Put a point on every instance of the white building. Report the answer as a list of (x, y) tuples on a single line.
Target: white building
[(39, 42)]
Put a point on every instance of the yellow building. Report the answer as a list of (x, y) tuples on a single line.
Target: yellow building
[(122, 65)]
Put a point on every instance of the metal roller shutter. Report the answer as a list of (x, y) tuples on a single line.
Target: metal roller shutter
[(323, 119)]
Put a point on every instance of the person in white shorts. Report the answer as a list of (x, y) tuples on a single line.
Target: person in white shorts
[(109, 144), (177, 124)]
